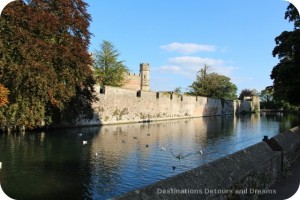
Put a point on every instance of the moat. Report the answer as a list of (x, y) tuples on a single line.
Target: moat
[(119, 158)]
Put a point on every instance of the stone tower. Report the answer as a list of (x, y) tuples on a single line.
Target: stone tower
[(145, 76)]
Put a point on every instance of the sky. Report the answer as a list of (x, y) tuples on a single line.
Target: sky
[(178, 37)]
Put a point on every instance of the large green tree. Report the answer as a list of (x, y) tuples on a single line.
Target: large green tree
[(267, 98), (44, 62), (213, 85), (108, 69), (286, 74)]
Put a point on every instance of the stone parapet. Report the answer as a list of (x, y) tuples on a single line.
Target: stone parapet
[(119, 105), (241, 175)]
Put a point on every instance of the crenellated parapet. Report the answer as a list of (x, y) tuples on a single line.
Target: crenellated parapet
[(139, 81), (119, 105)]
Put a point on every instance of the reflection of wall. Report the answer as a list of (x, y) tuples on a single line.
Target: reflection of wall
[(120, 138), (119, 105)]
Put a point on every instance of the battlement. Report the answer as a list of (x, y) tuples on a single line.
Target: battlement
[(133, 74), (144, 67), (138, 81), (119, 105)]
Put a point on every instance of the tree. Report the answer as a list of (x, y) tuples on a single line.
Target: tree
[(108, 69), (269, 102), (44, 61), (286, 74), (247, 93), (3, 96), (178, 90), (267, 98), (213, 85)]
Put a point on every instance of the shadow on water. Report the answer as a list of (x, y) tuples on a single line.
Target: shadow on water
[(119, 158)]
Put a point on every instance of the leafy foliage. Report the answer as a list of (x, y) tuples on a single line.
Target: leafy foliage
[(108, 70), (44, 61), (247, 93), (269, 102), (286, 74), (3, 96), (213, 85), (178, 90)]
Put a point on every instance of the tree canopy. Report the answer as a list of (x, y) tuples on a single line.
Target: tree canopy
[(44, 62), (3, 96), (213, 85), (247, 92), (286, 74), (108, 69)]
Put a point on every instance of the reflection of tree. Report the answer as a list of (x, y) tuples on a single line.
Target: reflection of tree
[(56, 162), (51, 165), (220, 126), (287, 120)]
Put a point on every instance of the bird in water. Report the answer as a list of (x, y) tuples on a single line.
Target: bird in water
[(84, 142), (163, 149), (96, 154), (147, 145), (174, 168), (80, 134), (179, 156)]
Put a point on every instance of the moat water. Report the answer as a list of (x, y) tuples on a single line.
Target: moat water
[(119, 158)]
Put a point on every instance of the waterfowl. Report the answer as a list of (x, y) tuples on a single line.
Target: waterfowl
[(163, 149)]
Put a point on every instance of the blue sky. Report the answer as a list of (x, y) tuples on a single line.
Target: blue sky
[(177, 38)]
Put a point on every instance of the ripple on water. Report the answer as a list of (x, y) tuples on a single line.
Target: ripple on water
[(59, 165)]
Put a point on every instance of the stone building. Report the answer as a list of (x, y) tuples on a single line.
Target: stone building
[(139, 81)]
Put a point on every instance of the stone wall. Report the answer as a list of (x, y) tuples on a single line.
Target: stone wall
[(132, 81), (119, 105), (246, 174)]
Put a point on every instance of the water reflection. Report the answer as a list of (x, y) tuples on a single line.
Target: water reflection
[(116, 159)]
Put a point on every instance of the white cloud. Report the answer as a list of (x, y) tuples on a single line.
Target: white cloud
[(189, 66), (195, 62), (188, 48)]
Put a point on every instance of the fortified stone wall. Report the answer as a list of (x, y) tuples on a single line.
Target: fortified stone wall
[(132, 81), (138, 81), (119, 105)]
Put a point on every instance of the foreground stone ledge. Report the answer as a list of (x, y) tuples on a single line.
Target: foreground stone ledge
[(255, 167), (287, 143)]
